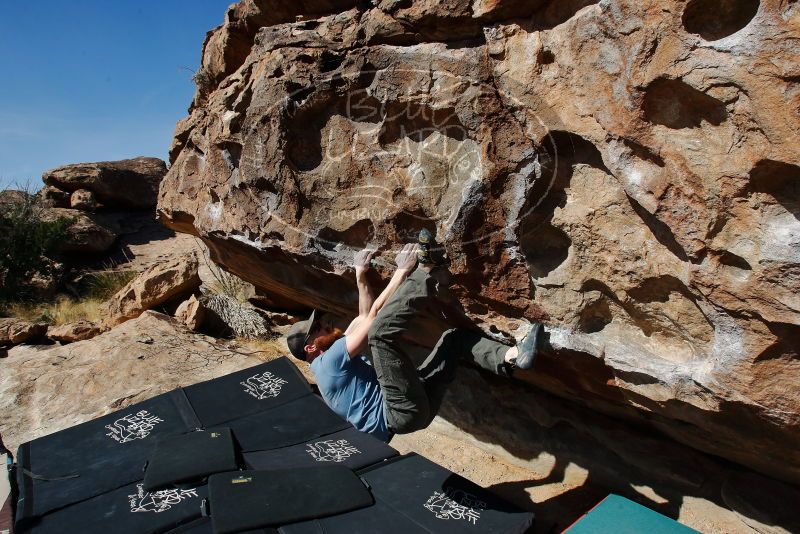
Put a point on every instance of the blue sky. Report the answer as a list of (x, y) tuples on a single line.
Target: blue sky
[(91, 80)]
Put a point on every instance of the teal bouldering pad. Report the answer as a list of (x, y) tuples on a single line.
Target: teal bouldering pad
[(618, 515)]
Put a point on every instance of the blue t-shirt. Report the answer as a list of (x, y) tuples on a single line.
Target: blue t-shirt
[(350, 387)]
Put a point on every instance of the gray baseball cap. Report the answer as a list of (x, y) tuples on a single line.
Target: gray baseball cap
[(297, 338)]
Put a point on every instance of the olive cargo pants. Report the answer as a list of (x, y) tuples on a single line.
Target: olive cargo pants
[(412, 396)]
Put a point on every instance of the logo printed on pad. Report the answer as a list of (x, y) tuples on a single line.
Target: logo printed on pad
[(455, 504), (263, 386), (133, 426), (158, 501), (331, 451)]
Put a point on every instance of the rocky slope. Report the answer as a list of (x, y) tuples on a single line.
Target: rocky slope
[(626, 171), (48, 388)]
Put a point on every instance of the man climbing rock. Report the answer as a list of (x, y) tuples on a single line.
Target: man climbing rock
[(391, 395)]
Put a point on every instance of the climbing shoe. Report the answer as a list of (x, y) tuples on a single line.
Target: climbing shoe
[(528, 347), (430, 252)]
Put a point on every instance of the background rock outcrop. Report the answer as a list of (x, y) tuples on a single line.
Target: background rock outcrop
[(102, 200), (127, 184), (626, 171)]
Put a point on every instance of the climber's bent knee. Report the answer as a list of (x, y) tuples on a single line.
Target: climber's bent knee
[(407, 420)]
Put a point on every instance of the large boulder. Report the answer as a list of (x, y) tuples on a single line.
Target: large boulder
[(45, 389), (626, 171), (227, 46), (130, 183), (160, 283)]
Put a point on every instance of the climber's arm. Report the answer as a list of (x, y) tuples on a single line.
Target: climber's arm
[(365, 296), (361, 264), (357, 339)]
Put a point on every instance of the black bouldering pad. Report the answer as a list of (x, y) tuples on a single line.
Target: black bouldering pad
[(369, 520), (127, 510), (349, 447), (291, 423), (203, 526), (441, 501), (247, 392), (191, 457), (97, 456), (254, 499), (413, 494)]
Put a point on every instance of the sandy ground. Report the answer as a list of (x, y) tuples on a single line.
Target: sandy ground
[(556, 504), (557, 501)]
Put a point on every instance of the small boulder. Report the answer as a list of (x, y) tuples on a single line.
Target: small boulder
[(72, 332), (191, 312), (15, 331), (83, 234), (53, 197), (129, 183), (158, 284), (83, 200)]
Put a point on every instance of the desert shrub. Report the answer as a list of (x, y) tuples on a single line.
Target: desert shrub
[(204, 81), (28, 243), (242, 318), (226, 296)]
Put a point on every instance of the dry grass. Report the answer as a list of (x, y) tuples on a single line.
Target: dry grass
[(102, 285), (225, 283), (64, 310), (265, 349), (90, 306)]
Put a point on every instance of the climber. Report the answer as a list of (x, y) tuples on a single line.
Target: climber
[(389, 395)]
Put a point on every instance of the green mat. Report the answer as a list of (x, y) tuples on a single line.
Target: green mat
[(618, 515)]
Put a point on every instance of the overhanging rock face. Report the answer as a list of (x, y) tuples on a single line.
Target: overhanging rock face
[(626, 171)]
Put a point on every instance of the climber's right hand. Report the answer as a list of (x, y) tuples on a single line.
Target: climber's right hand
[(406, 259)]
